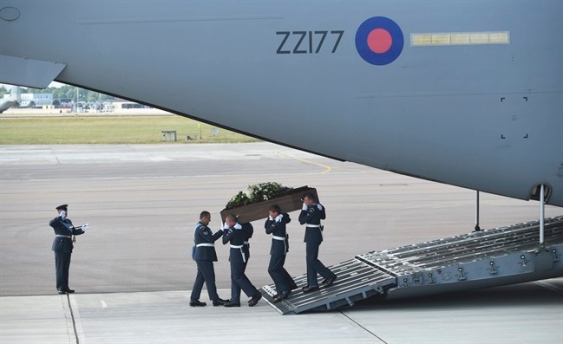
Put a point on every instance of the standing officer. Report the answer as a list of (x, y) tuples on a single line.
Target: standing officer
[(276, 225), (63, 245), (204, 255), (238, 236), (311, 215)]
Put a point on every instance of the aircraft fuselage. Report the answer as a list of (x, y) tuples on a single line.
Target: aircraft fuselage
[(463, 93)]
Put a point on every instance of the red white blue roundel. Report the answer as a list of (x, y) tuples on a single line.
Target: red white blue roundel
[(379, 41)]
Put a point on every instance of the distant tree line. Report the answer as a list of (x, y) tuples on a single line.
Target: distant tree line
[(3, 91)]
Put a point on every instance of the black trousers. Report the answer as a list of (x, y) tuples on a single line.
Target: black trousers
[(279, 274), (62, 265), (314, 265), (205, 273), (240, 281)]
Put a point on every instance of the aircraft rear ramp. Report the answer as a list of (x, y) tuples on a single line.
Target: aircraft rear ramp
[(489, 258)]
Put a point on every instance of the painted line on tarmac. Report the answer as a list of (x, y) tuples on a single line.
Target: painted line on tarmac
[(326, 167)]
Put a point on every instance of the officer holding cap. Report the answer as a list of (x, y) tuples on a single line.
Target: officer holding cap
[(63, 245)]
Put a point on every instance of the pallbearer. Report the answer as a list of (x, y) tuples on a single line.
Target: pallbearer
[(238, 235), (276, 225), (311, 215)]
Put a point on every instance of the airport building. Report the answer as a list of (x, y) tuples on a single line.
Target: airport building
[(36, 99)]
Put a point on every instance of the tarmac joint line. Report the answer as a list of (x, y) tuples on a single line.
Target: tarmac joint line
[(72, 302), (362, 327), (549, 286)]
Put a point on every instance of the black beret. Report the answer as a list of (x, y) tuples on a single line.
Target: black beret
[(62, 207)]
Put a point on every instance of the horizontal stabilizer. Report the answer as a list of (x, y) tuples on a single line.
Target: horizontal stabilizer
[(27, 72)]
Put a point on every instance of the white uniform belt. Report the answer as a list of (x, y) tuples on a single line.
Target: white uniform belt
[(239, 247), (205, 244), (278, 237), (63, 236), (313, 226)]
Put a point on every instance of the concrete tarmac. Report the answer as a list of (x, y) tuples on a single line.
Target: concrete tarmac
[(142, 202)]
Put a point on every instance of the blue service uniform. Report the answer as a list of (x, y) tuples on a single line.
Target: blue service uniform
[(63, 245), (204, 255), (238, 256), (280, 246), (311, 218)]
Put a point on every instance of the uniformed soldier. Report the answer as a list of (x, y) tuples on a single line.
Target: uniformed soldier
[(276, 225), (63, 245), (311, 215), (238, 235), (204, 255)]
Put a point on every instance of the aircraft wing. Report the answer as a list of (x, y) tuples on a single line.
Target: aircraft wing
[(28, 72)]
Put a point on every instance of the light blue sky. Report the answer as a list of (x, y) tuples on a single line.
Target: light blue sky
[(53, 84)]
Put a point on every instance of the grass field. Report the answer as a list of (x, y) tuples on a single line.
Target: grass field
[(110, 130)]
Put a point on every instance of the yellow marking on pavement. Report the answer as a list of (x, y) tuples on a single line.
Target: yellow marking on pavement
[(326, 167)]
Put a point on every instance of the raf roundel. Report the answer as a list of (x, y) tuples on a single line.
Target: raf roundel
[(379, 41)]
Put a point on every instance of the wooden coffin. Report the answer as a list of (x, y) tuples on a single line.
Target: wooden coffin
[(288, 202)]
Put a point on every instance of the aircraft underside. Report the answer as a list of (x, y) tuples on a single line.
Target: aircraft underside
[(458, 92)]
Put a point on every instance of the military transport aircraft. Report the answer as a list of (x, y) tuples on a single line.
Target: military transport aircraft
[(468, 93), (7, 101)]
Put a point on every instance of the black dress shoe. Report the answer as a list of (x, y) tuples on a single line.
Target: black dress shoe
[(254, 300), (329, 281), (219, 302), (69, 291), (282, 296), (61, 292), (197, 303), (231, 304), (310, 288)]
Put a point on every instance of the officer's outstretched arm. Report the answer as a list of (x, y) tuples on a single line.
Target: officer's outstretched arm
[(217, 235), (78, 231)]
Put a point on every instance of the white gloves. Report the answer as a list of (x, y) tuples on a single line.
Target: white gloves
[(85, 227), (279, 218), (270, 218), (225, 226), (62, 214), (304, 207), (320, 207), (238, 226)]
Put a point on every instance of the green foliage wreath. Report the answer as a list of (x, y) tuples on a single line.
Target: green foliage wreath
[(257, 193)]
